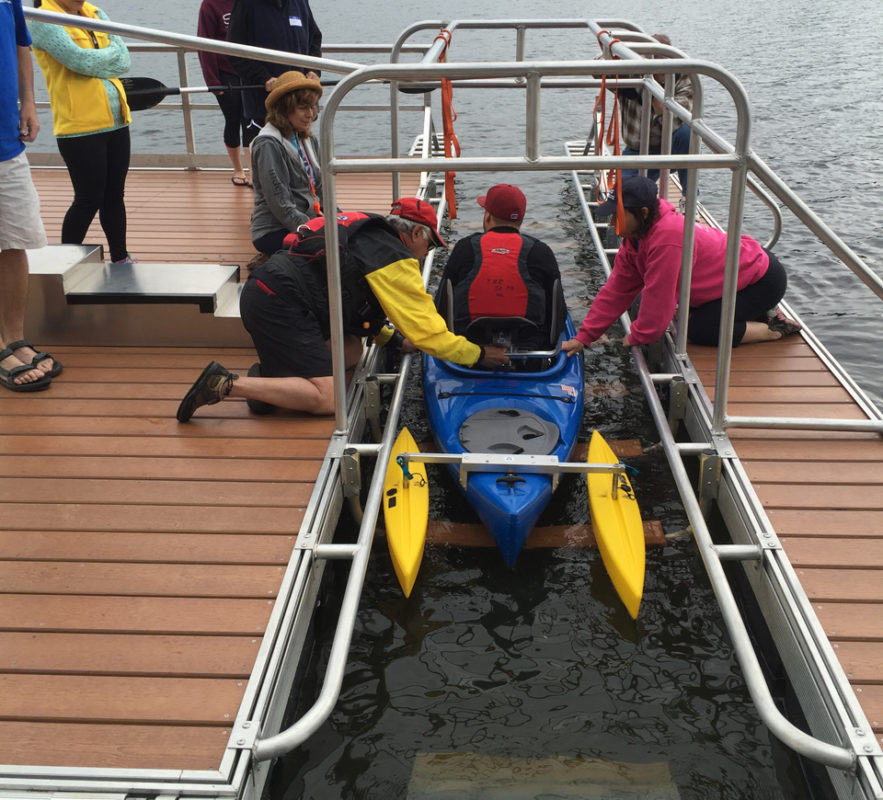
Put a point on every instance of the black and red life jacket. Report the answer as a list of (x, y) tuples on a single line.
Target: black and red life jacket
[(499, 283), (362, 314)]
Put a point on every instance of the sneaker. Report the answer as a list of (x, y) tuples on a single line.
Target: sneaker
[(257, 406), (777, 321), (211, 387), (127, 260)]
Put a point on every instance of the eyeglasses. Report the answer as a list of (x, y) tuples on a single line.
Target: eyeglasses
[(308, 107)]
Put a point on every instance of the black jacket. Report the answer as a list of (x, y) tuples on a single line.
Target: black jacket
[(286, 25)]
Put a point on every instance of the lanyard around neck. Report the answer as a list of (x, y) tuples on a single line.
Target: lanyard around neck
[(309, 170)]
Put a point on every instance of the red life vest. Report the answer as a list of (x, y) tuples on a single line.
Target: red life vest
[(498, 281), (309, 238)]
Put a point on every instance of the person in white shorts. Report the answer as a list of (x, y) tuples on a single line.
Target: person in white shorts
[(22, 367)]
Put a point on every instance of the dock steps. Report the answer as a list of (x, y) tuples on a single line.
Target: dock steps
[(68, 284)]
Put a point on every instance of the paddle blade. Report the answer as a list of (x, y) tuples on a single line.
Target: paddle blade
[(144, 93), (616, 521), (405, 511)]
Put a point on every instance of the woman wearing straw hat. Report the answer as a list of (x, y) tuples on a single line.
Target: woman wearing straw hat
[(285, 162)]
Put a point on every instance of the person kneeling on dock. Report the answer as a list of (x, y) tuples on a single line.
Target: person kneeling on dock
[(503, 273), (649, 262), (284, 306)]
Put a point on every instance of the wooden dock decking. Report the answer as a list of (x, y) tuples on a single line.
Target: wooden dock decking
[(822, 492), (198, 216), (139, 558)]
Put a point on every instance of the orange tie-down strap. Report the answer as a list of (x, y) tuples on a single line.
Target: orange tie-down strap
[(451, 143)]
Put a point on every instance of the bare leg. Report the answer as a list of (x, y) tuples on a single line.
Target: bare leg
[(313, 395), (13, 297), (759, 332), (236, 160)]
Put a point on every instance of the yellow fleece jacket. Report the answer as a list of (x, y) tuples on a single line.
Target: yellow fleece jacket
[(74, 66)]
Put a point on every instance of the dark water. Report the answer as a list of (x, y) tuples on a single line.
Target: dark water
[(503, 670), (512, 671)]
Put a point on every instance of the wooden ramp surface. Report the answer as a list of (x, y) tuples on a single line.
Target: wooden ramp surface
[(139, 558), (823, 494)]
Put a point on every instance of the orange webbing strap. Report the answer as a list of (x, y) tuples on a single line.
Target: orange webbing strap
[(452, 144), (614, 177), (616, 182)]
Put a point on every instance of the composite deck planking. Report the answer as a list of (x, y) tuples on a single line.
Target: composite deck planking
[(195, 216), (140, 558), (822, 492)]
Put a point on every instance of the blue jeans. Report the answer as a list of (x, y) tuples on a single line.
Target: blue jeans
[(680, 145)]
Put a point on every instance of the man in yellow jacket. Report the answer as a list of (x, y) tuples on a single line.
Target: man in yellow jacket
[(284, 306)]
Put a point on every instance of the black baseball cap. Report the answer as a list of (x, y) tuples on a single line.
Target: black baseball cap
[(637, 192)]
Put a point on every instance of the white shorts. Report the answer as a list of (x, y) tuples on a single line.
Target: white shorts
[(20, 225)]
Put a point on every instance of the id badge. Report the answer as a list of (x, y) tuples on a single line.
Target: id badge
[(295, 22)]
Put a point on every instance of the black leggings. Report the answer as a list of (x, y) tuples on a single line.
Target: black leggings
[(271, 242), (97, 164), (752, 304), (231, 107)]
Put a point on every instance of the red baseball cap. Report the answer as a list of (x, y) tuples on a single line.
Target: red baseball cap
[(504, 201), (417, 210)]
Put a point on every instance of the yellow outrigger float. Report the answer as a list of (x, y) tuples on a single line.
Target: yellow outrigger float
[(617, 525), (616, 518), (405, 510)]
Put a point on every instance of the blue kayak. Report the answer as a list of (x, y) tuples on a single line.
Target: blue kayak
[(506, 412)]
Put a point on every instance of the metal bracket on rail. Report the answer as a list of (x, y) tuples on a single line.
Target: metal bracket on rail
[(677, 402), (351, 480), (709, 479), (371, 388), (511, 462)]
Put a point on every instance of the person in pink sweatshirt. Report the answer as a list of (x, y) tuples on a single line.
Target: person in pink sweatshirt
[(649, 263)]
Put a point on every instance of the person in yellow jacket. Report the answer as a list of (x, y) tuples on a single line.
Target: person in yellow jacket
[(90, 118), (284, 306)]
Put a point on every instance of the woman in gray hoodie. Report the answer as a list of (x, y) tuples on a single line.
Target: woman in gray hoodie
[(285, 162)]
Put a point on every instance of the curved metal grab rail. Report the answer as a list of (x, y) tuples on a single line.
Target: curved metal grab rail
[(782, 728)]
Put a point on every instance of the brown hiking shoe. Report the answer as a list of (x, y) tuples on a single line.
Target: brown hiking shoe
[(211, 387)]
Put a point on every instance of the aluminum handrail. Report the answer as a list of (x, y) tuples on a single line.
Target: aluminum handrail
[(532, 160), (798, 740), (816, 749)]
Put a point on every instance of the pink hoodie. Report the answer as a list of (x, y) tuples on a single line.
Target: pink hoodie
[(652, 265)]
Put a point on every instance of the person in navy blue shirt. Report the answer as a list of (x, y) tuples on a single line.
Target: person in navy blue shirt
[(286, 25), (22, 367)]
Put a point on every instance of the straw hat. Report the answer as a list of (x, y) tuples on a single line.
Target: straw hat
[(288, 82)]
